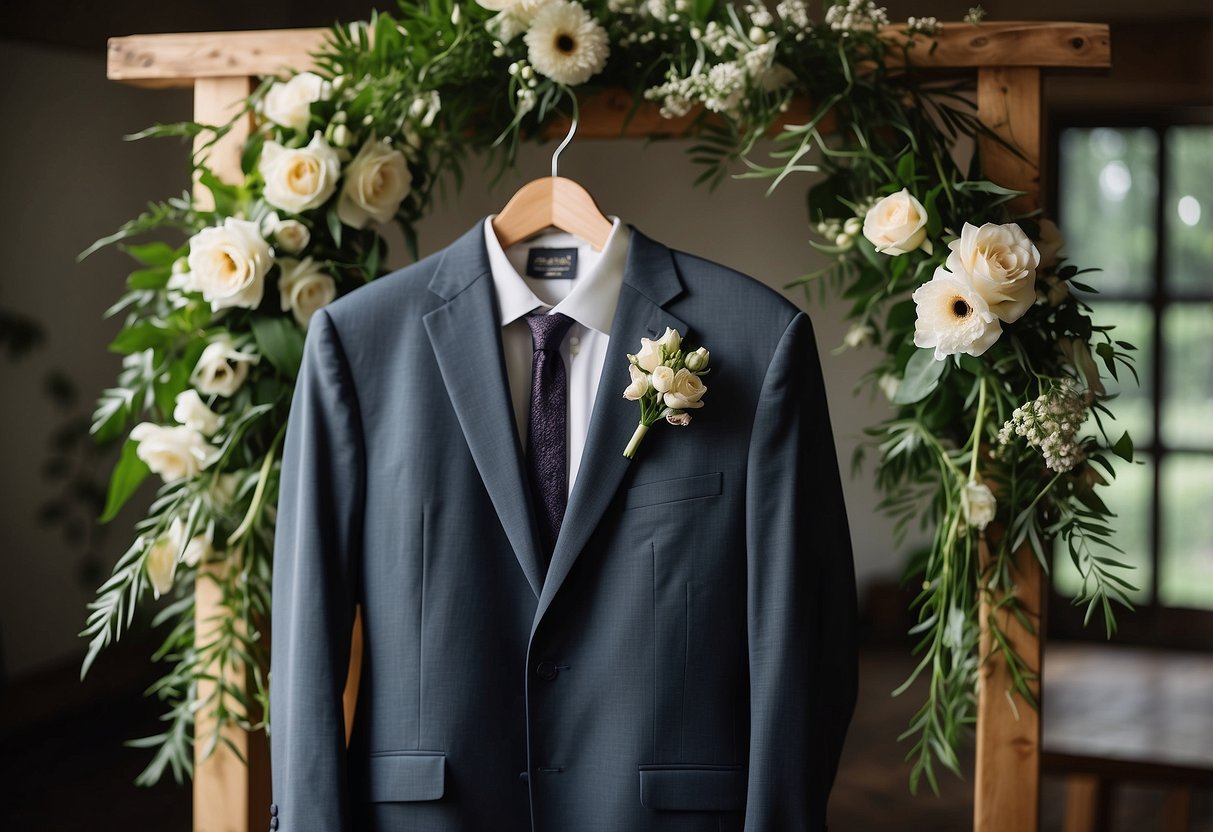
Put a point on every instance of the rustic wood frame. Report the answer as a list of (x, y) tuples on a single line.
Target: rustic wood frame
[(1008, 60)]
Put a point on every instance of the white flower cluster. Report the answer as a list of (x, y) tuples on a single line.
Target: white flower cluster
[(842, 232), (665, 381), (1051, 423), (794, 14), (924, 26), (856, 16)]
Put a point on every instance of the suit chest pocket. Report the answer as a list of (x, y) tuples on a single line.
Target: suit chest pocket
[(680, 489)]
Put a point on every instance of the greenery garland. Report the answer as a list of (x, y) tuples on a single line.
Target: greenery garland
[(985, 355)]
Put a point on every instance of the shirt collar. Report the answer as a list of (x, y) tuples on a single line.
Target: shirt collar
[(594, 295)]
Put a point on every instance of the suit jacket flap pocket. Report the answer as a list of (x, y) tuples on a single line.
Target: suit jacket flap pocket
[(668, 491), (403, 776), (691, 788)]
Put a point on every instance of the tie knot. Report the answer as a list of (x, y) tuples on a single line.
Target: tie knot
[(547, 331)]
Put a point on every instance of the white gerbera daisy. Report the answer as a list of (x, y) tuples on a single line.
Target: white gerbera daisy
[(566, 44), (953, 317)]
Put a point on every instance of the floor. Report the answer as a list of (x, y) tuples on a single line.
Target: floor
[(71, 772)]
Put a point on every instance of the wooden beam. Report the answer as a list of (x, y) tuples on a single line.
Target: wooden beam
[(174, 60)]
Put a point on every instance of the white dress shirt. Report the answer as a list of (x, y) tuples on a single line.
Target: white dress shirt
[(589, 297)]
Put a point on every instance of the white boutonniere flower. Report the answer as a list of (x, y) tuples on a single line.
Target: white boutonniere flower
[(666, 381)]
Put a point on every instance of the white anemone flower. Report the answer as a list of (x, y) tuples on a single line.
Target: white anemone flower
[(566, 44), (953, 317)]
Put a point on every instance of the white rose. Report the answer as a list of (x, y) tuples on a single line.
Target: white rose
[(228, 263), (978, 504), (198, 550), (300, 178), (289, 102), (290, 236), (953, 317), (671, 340), (192, 412), (649, 356), (376, 182), (221, 368), (161, 559), (686, 391), (174, 452), (897, 224), (1051, 244), (1000, 261), (663, 379), (697, 361), (639, 386), (304, 287)]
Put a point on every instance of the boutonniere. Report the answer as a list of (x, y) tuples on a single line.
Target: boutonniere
[(665, 380)]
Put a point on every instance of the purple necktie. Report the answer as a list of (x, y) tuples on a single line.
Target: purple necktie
[(547, 440)]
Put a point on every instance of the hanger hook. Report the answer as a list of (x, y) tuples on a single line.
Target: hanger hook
[(569, 137)]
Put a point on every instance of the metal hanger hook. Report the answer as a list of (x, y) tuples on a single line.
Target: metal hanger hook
[(572, 131)]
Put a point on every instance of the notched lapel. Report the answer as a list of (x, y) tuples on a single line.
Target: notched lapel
[(649, 281), (466, 336)]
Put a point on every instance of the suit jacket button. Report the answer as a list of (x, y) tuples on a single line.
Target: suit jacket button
[(273, 809), (524, 776), (273, 823), (546, 670)]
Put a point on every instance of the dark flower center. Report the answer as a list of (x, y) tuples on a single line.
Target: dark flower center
[(961, 308), (565, 43)]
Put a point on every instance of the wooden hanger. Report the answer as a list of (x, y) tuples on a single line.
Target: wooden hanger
[(553, 201)]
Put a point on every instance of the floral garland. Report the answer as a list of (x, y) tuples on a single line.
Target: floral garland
[(984, 353)]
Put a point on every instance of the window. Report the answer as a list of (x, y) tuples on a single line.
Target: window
[(1135, 198)]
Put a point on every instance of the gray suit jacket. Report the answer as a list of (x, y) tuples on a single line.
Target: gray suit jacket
[(688, 663)]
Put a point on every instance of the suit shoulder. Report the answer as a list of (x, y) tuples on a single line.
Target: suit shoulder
[(742, 291)]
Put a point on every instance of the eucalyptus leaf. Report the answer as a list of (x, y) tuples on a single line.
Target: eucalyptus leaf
[(921, 377)]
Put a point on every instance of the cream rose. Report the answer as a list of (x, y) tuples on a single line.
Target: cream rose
[(192, 412), (953, 317), (300, 178), (304, 287), (663, 379), (161, 559), (1000, 262), (685, 391), (649, 356), (376, 182), (289, 236), (228, 263), (897, 224), (289, 102), (978, 504), (221, 368), (174, 452), (671, 340), (639, 386)]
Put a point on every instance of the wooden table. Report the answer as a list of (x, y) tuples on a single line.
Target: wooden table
[(1121, 714)]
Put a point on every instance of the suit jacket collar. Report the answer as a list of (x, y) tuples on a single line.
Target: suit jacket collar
[(465, 333)]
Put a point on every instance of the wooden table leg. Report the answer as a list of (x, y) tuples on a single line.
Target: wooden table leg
[(1088, 800)]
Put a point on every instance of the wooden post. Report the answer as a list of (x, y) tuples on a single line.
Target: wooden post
[(1007, 781), (228, 795)]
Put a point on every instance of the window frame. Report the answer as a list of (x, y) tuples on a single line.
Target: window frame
[(1150, 623)]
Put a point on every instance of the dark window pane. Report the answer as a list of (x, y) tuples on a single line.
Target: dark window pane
[(1189, 209), (1187, 408), (1108, 189), (1128, 496), (1186, 566)]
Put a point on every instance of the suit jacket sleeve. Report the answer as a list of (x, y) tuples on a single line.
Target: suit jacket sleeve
[(800, 596), (316, 542)]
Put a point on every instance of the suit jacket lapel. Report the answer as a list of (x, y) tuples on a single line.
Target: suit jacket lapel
[(649, 280), (466, 335)]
